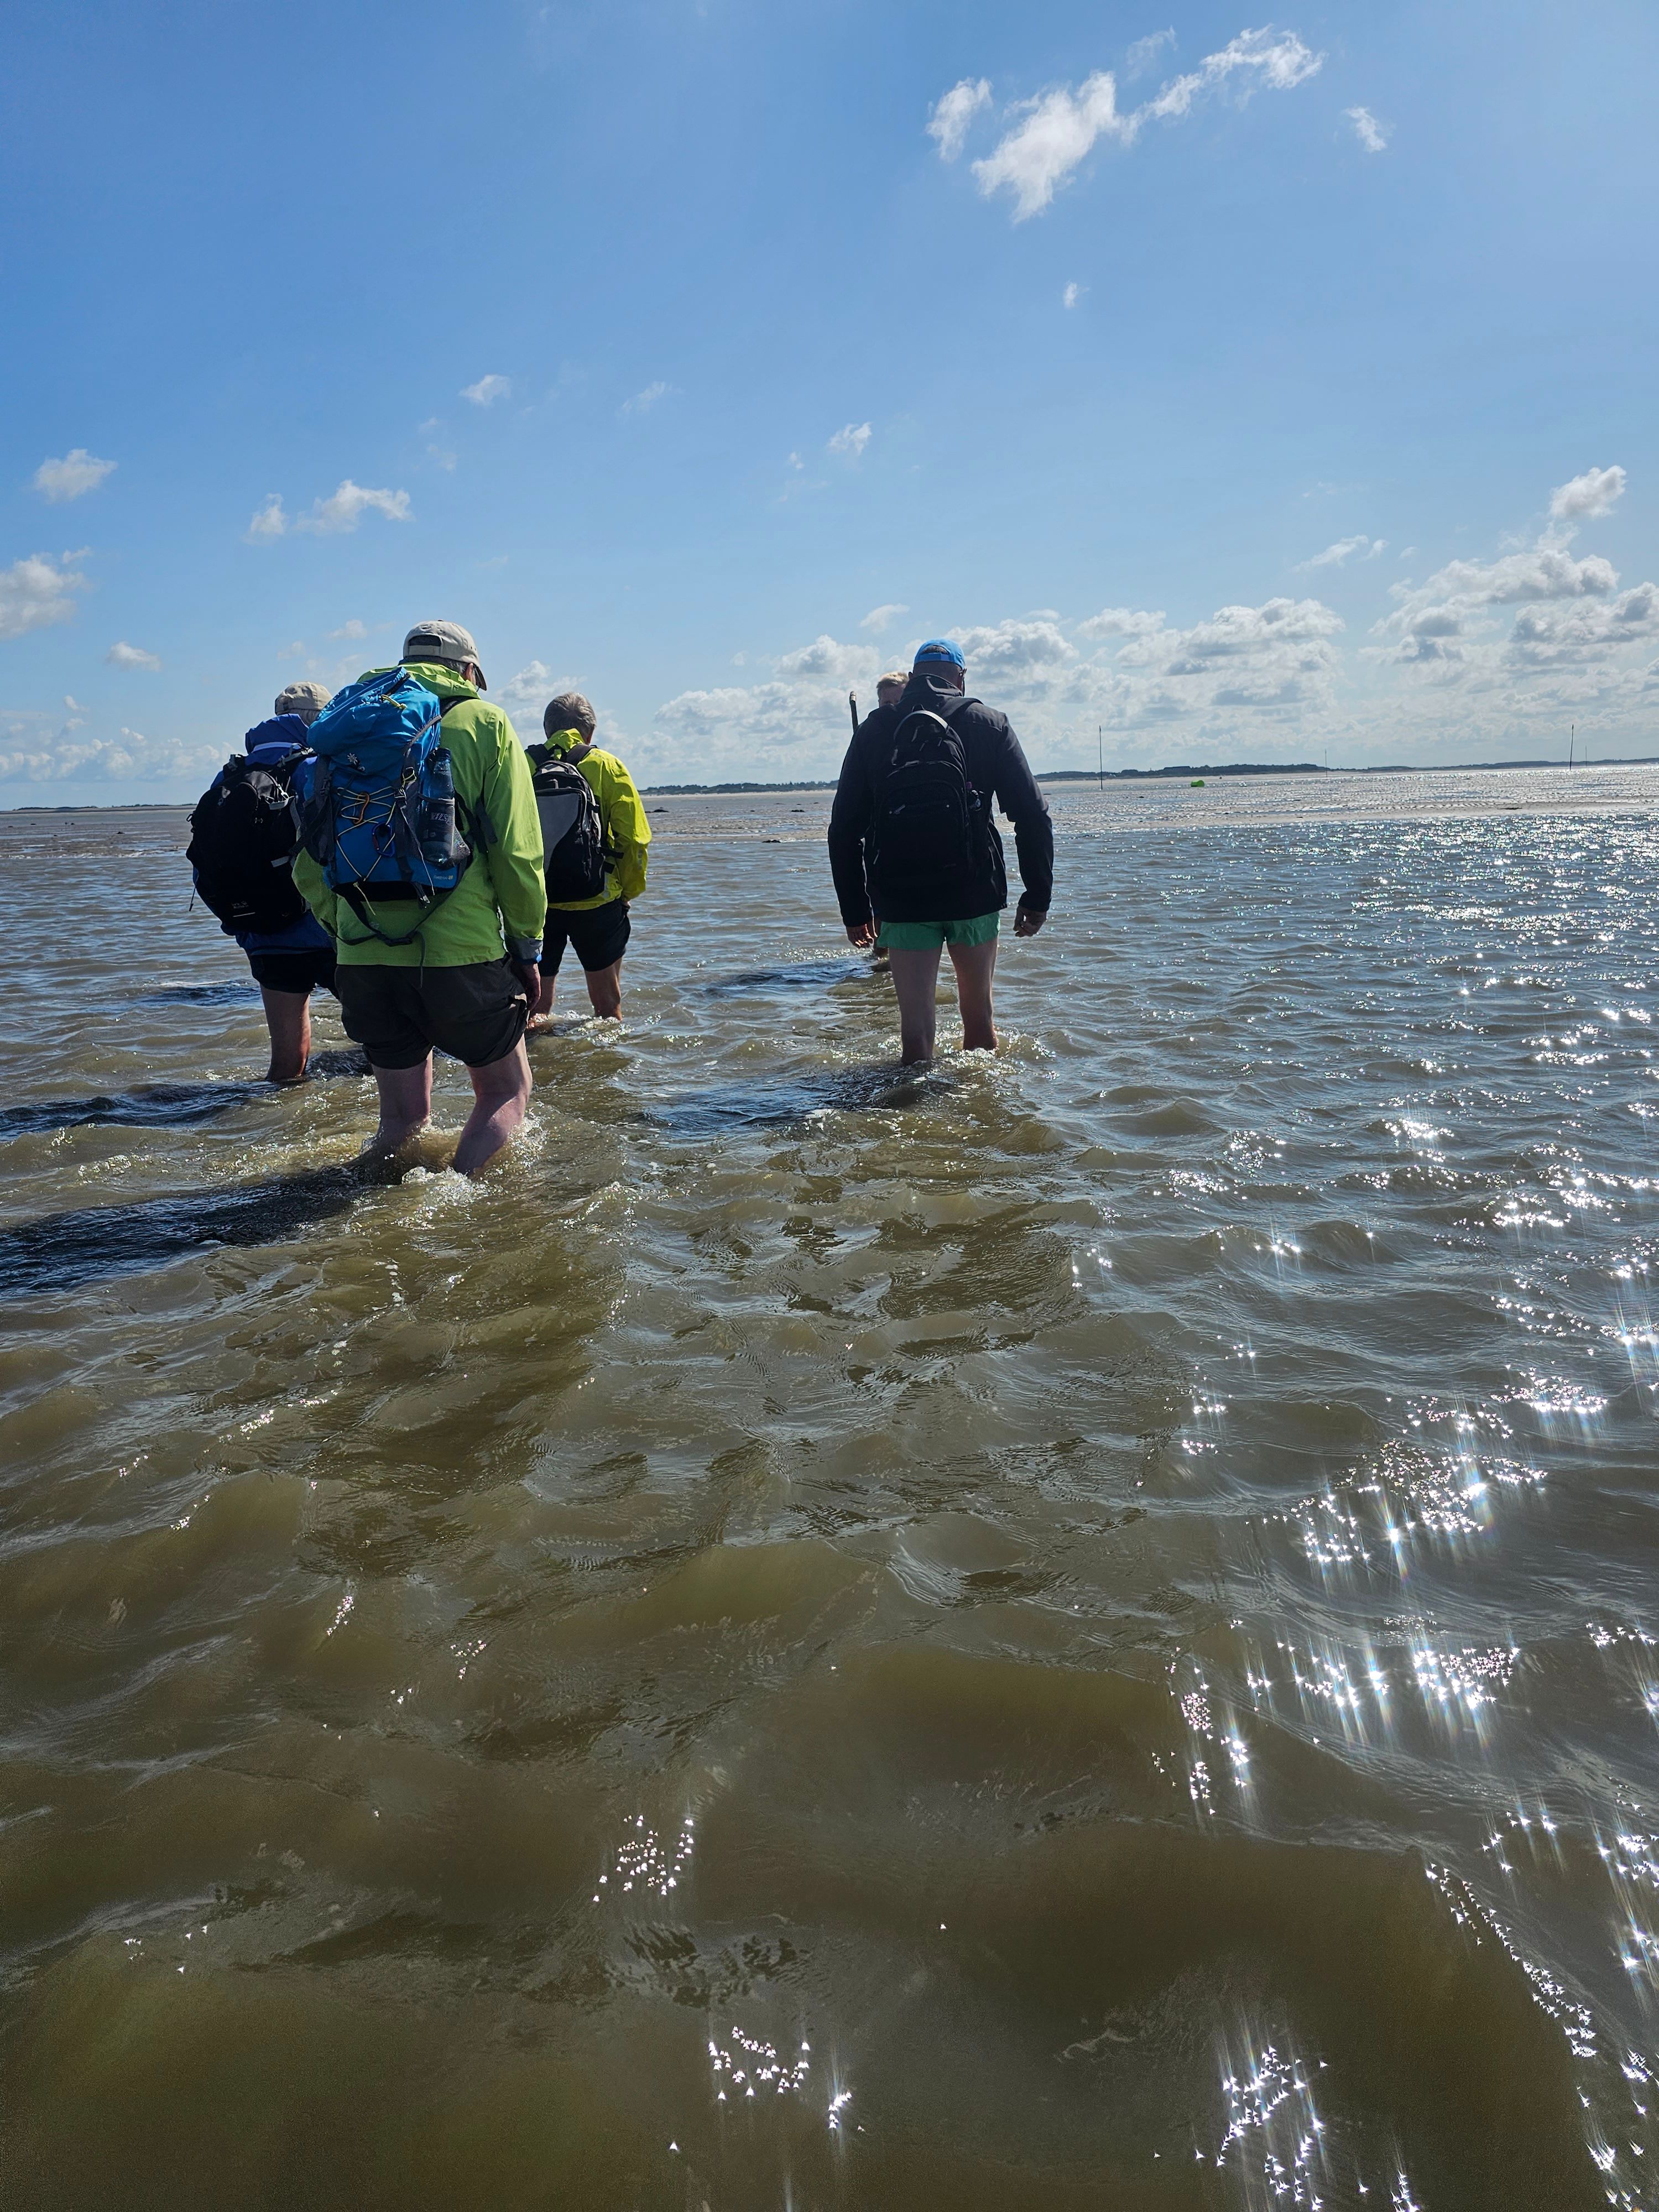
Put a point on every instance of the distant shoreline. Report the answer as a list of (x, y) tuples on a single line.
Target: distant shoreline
[(1043, 776)]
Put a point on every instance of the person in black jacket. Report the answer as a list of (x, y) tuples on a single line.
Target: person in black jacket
[(911, 834)]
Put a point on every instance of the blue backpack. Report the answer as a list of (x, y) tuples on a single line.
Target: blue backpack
[(378, 809)]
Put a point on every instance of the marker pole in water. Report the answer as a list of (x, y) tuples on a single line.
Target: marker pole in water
[(1572, 739), (1100, 734)]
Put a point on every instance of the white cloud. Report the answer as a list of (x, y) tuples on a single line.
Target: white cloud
[(1072, 295), (344, 508), (1372, 135), (487, 390), (1337, 556), (1057, 132), (123, 656), (829, 662), (1555, 636), (1145, 51), (852, 440), (270, 521), (77, 474), (1028, 645), (1121, 622), (35, 592), (643, 402), (883, 617), (352, 629), (443, 457), (948, 119), (154, 764), (1582, 499)]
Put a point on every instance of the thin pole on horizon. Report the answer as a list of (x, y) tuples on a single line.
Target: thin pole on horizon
[(1572, 739), (1100, 736)]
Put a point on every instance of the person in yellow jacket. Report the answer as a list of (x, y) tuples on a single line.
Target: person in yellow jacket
[(595, 929), (468, 978)]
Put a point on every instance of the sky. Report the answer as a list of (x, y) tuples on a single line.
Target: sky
[(1232, 388)]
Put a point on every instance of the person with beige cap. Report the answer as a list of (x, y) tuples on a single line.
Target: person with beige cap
[(466, 979), (289, 952)]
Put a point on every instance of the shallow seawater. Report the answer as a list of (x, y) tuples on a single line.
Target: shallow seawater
[(1073, 1630)]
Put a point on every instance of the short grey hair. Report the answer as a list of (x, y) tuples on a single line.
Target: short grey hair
[(569, 711), (894, 681)]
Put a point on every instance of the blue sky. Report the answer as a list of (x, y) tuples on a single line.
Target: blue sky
[(1247, 388)]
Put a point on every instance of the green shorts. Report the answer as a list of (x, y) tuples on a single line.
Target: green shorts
[(932, 936)]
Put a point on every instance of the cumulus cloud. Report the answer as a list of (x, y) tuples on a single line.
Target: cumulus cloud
[(1372, 135), (77, 474), (643, 402), (269, 521), (1338, 555), (123, 656), (1582, 499), (883, 617), (36, 592), (1546, 636), (851, 440), (1056, 132), (161, 766), (352, 629), (1071, 296), (1027, 646), (487, 391), (827, 661), (1121, 622), (948, 119)]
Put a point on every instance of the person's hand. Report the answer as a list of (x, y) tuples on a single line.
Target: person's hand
[(530, 980), (861, 934), (1028, 920)]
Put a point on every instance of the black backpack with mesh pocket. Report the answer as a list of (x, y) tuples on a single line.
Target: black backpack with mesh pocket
[(244, 833), (574, 853)]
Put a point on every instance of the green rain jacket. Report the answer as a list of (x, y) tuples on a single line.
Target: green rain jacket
[(500, 902), (622, 818)]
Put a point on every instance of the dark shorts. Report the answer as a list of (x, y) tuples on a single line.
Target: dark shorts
[(398, 1015), (598, 935), (303, 973)]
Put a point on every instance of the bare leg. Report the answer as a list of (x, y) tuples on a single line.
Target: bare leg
[(976, 964), (544, 1005), (915, 982), (406, 1104), (605, 989), (288, 1017), (500, 1091)]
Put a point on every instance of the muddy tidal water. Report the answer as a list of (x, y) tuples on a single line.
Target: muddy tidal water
[(1077, 1630)]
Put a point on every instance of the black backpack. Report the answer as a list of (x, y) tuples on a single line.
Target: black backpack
[(929, 826), (244, 833), (574, 850)]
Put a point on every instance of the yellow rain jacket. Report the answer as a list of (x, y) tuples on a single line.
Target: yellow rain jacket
[(622, 818)]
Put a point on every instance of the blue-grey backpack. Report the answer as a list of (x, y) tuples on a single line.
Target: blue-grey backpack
[(379, 812)]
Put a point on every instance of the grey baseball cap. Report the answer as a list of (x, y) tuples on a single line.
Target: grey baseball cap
[(569, 711), (442, 641), (308, 700)]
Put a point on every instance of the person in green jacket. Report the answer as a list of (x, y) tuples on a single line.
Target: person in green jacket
[(466, 981), (597, 929)]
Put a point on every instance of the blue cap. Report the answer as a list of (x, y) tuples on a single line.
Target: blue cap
[(940, 648)]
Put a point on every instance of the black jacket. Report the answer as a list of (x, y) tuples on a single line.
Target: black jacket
[(997, 768)]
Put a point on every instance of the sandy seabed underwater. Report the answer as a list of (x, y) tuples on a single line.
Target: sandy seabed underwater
[(1073, 1630)]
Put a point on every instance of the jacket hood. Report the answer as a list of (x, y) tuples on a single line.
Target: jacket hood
[(567, 741), (287, 730), (922, 690), (443, 681)]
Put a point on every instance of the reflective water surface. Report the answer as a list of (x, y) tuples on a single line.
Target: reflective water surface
[(1077, 1629)]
